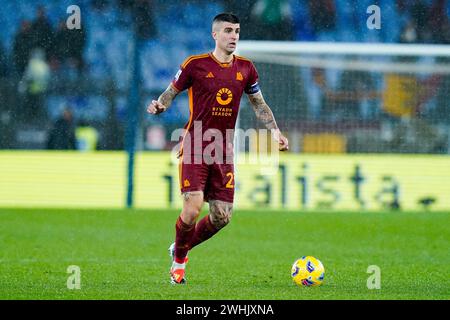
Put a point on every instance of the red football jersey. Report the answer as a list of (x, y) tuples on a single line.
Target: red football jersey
[(215, 90)]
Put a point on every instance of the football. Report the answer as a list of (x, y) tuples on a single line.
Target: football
[(308, 271)]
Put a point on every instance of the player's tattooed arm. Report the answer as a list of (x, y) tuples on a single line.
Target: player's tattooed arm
[(265, 115), (262, 110), (167, 96), (164, 101)]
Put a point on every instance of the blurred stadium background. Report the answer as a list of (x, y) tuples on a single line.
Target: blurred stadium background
[(367, 180), (360, 138)]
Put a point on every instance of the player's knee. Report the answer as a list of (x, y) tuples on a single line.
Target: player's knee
[(190, 214), (220, 213), (220, 221), (193, 201)]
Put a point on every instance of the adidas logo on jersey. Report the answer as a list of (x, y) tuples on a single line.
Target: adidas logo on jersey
[(210, 75), (239, 76), (186, 183)]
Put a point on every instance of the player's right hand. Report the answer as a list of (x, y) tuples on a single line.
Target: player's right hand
[(156, 107)]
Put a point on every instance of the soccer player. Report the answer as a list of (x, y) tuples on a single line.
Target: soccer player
[(215, 83)]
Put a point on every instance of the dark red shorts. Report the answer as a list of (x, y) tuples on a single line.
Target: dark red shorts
[(215, 180)]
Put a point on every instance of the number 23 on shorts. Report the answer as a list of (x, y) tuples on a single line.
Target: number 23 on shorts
[(230, 184)]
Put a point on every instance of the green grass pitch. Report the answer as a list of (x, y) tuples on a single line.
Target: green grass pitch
[(122, 254)]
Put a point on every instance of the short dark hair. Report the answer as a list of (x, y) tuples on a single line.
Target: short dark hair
[(226, 17)]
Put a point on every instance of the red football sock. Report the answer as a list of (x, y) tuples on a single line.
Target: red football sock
[(203, 231), (183, 236)]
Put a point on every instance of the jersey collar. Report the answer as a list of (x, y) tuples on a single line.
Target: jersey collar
[(223, 65)]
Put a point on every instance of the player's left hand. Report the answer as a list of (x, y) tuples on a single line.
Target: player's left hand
[(283, 143)]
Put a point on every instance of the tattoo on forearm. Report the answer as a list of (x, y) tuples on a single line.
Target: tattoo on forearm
[(262, 111), (167, 96)]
